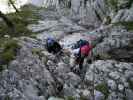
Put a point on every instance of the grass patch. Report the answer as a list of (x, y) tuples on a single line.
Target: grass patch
[(127, 24), (10, 48), (103, 88)]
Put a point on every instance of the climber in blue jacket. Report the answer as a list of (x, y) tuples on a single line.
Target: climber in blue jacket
[(52, 45)]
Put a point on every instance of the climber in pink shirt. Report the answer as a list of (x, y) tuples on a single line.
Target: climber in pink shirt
[(84, 51)]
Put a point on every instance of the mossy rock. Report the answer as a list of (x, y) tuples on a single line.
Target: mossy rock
[(36, 51), (103, 88)]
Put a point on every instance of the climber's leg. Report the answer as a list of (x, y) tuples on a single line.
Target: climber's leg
[(81, 62)]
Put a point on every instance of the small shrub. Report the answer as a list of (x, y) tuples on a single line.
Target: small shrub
[(103, 88), (83, 98), (1, 68), (10, 45), (104, 56), (127, 24), (9, 52), (130, 83), (33, 36), (7, 56), (113, 4), (70, 98), (7, 98)]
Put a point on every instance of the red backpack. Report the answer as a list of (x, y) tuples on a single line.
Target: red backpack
[(85, 50)]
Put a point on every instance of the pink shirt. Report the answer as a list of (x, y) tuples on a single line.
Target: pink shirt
[(85, 49)]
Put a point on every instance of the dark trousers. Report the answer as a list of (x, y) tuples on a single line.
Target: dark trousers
[(80, 61), (55, 48)]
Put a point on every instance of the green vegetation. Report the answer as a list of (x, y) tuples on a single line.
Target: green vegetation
[(127, 5), (127, 24), (70, 98), (8, 56), (27, 15), (33, 36), (103, 88), (10, 48), (130, 83), (113, 4), (103, 56), (130, 3), (1, 68), (38, 51), (7, 98), (83, 98)]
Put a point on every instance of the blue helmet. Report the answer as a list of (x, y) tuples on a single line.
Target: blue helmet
[(50, 41)]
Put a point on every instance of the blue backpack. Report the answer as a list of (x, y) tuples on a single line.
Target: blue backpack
[(79, 44)]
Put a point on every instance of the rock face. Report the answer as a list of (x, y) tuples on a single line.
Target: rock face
[(93, 12), (113, 74), (116, 44), (36, 74)]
